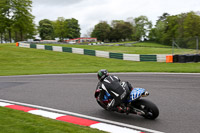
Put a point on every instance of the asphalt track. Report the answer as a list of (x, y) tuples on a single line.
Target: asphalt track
[(176, 95)]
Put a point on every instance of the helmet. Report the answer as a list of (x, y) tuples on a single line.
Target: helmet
[(101, 74)]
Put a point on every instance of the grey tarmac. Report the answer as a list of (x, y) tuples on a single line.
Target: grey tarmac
[(176, 95)]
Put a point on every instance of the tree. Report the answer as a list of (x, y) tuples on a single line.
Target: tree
[(60, 29), (46, 29), (191, 25), (142, 28), (101, 31), (73, 28), (16, 19), (23, 25), (2, 27), (6, 18), (121, 30), (156, 34)]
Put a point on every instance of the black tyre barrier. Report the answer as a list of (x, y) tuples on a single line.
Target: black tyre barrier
[(189, 58), (182, 58), (175, 58), (197, 58), (186, 58)]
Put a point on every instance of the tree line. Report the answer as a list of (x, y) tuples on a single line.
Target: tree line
[(61, 28), (17, 23), (183, 26), (132, 29)]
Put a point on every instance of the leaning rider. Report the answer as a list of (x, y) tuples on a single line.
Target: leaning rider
[(112, 85)]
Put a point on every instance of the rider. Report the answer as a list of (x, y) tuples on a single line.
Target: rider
[(119, 91)]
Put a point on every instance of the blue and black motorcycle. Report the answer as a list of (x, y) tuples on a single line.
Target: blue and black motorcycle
[(141, 107)]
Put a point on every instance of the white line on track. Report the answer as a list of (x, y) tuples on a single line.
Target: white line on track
[(84, 116)]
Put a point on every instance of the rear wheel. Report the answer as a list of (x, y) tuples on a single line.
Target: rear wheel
[(150, 109)]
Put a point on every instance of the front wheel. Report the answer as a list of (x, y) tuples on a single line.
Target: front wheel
[(150, 109)]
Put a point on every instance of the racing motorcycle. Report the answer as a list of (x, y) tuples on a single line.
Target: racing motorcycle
[(138, 106)]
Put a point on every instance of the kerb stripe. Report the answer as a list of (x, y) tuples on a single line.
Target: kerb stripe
[(71, 119), (22, 108), (76, 120)]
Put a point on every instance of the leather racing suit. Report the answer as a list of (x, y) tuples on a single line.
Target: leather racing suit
[(119, 91)]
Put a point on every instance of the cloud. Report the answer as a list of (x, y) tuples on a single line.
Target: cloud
[(90, 12), (56, 2)]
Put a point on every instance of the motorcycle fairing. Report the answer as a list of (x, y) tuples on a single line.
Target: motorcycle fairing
[(136, 93)]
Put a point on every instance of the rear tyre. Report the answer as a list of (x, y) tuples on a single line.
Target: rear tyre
[(150, 109)]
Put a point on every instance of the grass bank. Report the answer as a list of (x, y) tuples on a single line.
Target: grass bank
[(22, 61), (138, 48), (14, 121)]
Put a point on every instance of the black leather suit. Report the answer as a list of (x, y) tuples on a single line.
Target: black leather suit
[(119, 91)]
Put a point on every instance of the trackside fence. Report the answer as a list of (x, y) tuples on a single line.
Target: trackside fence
[(130, 57)]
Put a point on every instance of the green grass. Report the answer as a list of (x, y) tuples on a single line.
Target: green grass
[(14, 121), (139, 48), (151, 44), (24, 61)]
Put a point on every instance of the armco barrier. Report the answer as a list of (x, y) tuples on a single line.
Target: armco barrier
[(33, 46), (89, 52), (131, 57), (148, 58), (116, 55), (104, 54), (67, 49), (48, 47)]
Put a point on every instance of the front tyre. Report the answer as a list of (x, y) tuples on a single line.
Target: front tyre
[(150, 109), (103, 106)]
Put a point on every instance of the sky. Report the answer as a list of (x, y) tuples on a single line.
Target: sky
[(91, 12)]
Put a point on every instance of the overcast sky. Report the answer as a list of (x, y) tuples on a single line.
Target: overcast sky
[(91, 12)]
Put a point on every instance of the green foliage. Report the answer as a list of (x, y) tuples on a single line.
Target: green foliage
[(16, 20), (182, 27), (116, 32), (101, 31), (73, 28), (121, 30), (142, 27), (60, 29), (46, 29)]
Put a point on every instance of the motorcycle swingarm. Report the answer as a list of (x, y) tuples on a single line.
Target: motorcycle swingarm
[(137, 111)]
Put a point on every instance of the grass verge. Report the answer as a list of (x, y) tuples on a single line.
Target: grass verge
[(138, 48), (14, 121), (22, 61)]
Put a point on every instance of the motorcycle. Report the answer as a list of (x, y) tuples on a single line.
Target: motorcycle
[(138, 106)]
